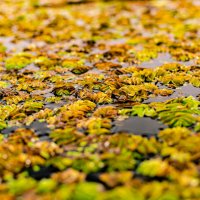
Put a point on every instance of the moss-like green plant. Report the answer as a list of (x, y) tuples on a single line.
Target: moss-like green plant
[(65, 136), (154, 167), (3, 84), (46, 185), (32, 106), (20, 185), (2, 48), (3, 125), (72, 63), (86, 191), (18, 61), (146, 55)]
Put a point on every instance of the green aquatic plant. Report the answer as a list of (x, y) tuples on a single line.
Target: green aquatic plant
[(18, 61), (99, 97), (134, 92), (63, 89), (106, 112), (2, 48), (197, 127), (122, 193), (80, 69), (43, 61), (113, 179), (86, 191), (146, 55), (97, 125), (66, 79), (173, 136), (46, 186), (154, 168), (179, 114), (177, 118), (4, 84), (65, 136), (176, 80), (53, 99), (119, 162), (139, 110), (3, 125), (183, 112), (72, 63), (31, 106), (88, 164), (20, 185), (195, 81)]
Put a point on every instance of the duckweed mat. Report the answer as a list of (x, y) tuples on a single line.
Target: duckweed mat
[(99, 100)]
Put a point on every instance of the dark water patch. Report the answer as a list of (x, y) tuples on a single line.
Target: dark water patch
[(93, 177), (45, 138), (157, 99), (43, 172), (189, 90), (10, 130), (139, 126), (54, 105), (40, 128), (148, 178)]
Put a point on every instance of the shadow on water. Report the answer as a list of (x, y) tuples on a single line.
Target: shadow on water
[(139, 126)]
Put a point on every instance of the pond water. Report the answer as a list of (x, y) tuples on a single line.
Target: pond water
[(163, 58), (39, 128), (139, 126), (183, 91)]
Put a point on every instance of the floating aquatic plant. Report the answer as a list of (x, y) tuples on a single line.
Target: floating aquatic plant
[(67, 78), (139, 110), (18, 61), (154, 167)]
